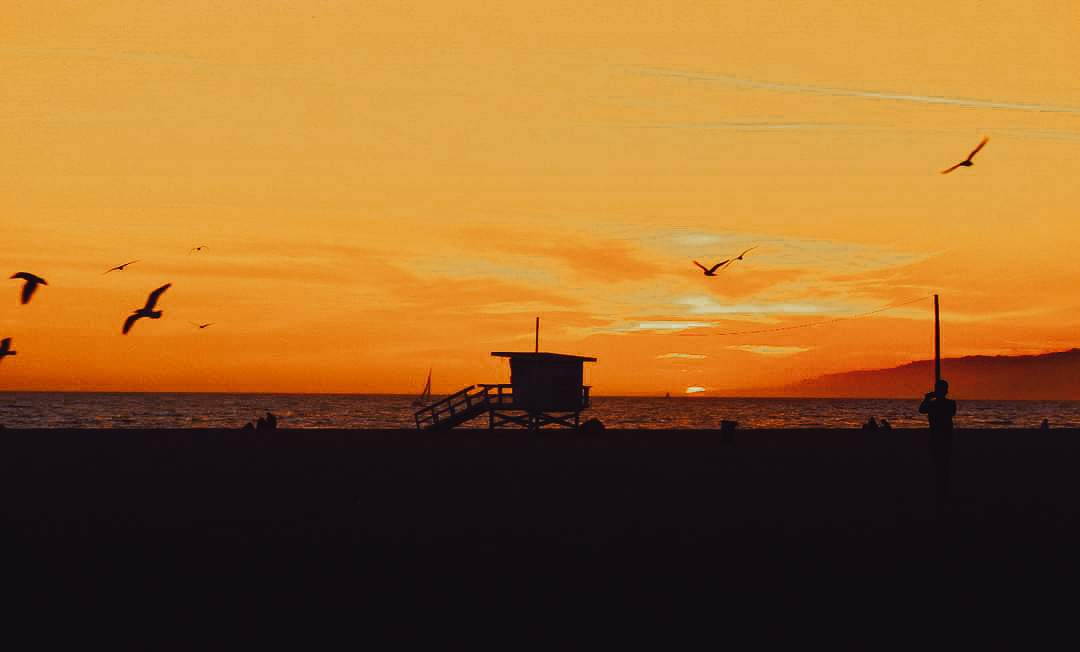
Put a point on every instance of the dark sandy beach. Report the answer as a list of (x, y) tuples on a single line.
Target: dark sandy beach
[(320, 539)]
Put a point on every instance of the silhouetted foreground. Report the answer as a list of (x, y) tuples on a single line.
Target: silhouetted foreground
[(611, 540)]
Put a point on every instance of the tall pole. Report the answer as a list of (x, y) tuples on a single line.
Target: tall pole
[(937, 342), (538, 335)]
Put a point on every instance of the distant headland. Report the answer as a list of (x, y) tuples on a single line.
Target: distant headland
[(1047, 376)]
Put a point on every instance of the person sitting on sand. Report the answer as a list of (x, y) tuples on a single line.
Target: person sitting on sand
[(271, 420), (592, 425), (885, 425), (870, 425), (940, 412)]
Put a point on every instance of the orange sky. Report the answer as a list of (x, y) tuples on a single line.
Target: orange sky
[(388, 186)]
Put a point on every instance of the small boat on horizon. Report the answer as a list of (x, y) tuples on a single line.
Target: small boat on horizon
[(425, 396)]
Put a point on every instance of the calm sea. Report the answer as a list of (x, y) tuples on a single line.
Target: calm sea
[(153, 410)]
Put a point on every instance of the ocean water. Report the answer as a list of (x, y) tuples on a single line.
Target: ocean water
[(165, 410)]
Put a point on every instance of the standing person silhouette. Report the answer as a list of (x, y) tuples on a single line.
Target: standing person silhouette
[(940, 412)]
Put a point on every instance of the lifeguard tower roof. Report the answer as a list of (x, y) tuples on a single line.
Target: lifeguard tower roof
[(541, 355)]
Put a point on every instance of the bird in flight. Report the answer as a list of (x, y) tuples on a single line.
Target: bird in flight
[(32, 281), (147, 310), (739, 257), (118, 268), (5, 348), (200, 326), (195, 250), (966, 163), (711, 271)]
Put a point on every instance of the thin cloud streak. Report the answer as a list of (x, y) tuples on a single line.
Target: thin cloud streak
[(704, 305), (163, 59), (1053, 134), (780, 252), (754, 126), (46, 117), (643, 326), (846, 92), (764, 126), (765, 349), (30, 51)]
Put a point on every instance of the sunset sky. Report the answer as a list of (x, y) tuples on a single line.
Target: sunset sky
[(384, 187)]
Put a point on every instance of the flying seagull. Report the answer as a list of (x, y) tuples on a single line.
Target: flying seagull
[(200, 326), (118, 268), (31, 284), (195, 250), (5, 348), (711, 271), (966, 163), (739, 257), (147, 310)]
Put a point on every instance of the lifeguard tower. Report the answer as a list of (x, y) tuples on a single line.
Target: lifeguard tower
[(545, 389)]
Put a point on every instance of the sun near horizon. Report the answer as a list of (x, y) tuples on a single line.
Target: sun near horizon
[(377, 189)]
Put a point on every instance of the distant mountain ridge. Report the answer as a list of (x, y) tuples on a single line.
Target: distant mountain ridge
[(1046, 376)]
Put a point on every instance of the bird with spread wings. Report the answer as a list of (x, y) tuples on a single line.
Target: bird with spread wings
[(966, 163), (147, 310), (118, 268), (32, 282), (711, 271), (5, 348)]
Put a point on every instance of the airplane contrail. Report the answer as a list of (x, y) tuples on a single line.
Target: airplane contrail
[(847, 92)]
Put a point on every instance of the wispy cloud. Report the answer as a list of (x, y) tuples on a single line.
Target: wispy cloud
[(764, 349), (255, 70), (659, 326), (463, 267), (681, 356), (533, 306), (752, 125), (1053, 134), (782, 252), (849, 92), (784, 279), (831, 310), (47, 117), (703, 305), (32, 51), (804, 126)]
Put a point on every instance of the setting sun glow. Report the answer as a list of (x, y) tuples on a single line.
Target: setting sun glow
[(350, 193)]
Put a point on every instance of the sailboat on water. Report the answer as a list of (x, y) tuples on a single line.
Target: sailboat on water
[(425, 396)]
